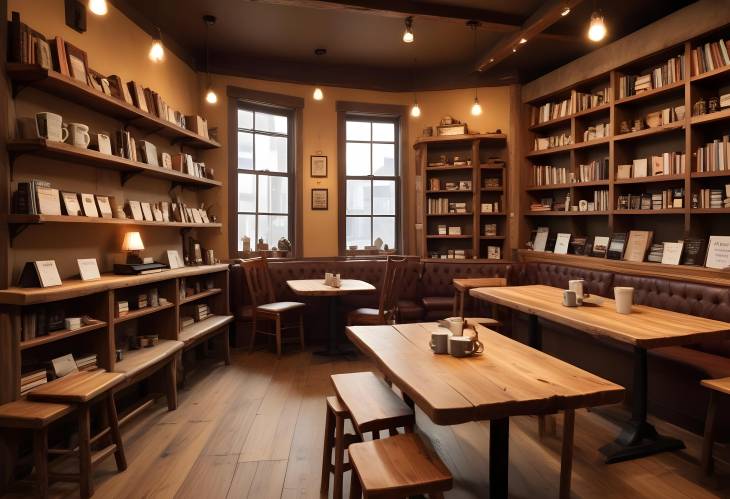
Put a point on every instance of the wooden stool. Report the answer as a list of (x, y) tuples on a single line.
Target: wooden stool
[(35, 417), (717, 387), (463, 285), (335, 439), (81, 390), (397, 467)]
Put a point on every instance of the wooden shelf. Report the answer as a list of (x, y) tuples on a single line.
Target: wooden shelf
[(447, 168), (491, 167), (435, 236), (710, 118), (61, 86), (551, 123), (137, 360), (551, 150), (719, 72), (665, 211), (18, 219), (671, 127), (449, 214), (67, 152), (212, 323), (460, 138), (719, 173), (551, 187), (566, 213), (593, 110), (491, 238), (709, 211), (648, 180), (201, 295), (59, 335), (592, 143), (444, 191), (652, 93), (136, 314), (493, 214)]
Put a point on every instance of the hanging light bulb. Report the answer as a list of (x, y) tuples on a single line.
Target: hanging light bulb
[(415, 109), (157, 51), (597, 27), (408, 32), (565, 11), (211, 97), (476, 108), (98, 7), (318, 94)]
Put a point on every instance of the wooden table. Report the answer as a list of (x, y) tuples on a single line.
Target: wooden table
[(317, 287), (645, 328), (463, 284), (509, 379)]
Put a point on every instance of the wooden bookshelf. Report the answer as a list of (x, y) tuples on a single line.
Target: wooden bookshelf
[(61, 334), (201, 295), (69, 219), (141, 312)]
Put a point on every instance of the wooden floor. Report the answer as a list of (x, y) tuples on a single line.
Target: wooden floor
[(254, 430)]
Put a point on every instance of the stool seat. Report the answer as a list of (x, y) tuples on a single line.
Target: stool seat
[(31, 415), (398, 466), (372, 404), (334, 404), (78, 387), (721, 385)]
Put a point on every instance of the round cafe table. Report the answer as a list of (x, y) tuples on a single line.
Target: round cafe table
[(317, 287)]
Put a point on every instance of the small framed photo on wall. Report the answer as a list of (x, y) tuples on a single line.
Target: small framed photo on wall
[(320, 199), (77, 63), (318, 166)]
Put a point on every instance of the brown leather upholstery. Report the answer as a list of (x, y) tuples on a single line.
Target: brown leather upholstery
[(364, 317)]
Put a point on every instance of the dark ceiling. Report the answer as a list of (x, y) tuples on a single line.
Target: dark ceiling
[(275, 39)]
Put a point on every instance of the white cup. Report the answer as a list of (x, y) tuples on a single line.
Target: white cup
[(462, 346), (624, 297), (455, 325), (50, 127), (576, 285), (440, 341), (78, 135)]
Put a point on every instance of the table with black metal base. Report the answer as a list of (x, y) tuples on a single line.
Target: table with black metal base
[(334, 349)]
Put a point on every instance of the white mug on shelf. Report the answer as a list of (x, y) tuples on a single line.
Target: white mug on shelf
[(50, 127), (624, 297), (78, 135)]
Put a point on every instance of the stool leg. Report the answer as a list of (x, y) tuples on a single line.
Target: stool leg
[(566, 456), (355, 487), (171, 384), (116, 434), (707, 461), (339, 456), (278, 336), (40, 456), (85, 483), (329, 429)]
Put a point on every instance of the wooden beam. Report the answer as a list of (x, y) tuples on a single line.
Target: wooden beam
[(547, 15)]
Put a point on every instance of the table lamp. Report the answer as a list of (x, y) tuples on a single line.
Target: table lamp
[(132, 244)]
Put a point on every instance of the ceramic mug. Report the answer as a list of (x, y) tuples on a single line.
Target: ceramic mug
[(464, 346), (454, 324), (576, 285), (440, 341), (50, 127), (570, 298), (78, 135), (624, 297)]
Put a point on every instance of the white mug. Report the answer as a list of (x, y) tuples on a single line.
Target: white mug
[(463, 346), (440, 341), (78, 135), (576, 285), (454, 324), (624, 299), (50, 127)]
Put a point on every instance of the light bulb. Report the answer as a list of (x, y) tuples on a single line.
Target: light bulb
[(157, 52), (476, 108), (407, 36), (523, 40), (415, 110), (98, 7), (597, 28), (565, 11), (211, 97), (318, 94)]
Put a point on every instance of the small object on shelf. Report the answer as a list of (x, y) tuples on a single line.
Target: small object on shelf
[(671, 253), (72, 323), (138, 269), (122, 308), (428, 131), (624, 127), (724, 101), (452, 129), (41, 273), (119, 354), (152, 340), (490, 229), (713, 105), (64, 365), (132, 244), (454, 231), (494, 252), (718, 253), (699, 108)]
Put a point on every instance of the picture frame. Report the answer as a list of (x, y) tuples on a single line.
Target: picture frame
[(320, 199), (78, 64), (318, 166)]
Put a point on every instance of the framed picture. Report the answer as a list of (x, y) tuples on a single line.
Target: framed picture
[(78, 65), (320, 199), (318, 166)]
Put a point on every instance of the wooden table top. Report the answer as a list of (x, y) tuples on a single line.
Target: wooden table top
[(720, 385), (645, 327), (317, 287), (77, 387), (463, 284), (509, 379)]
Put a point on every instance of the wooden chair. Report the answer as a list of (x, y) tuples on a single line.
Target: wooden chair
[(717, 388), (400, 466), (335, 439), (264, 304), (395, 268)]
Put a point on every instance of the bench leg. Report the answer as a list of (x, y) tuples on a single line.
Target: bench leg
[(40, 457), (339, 456), (226, 336), (707, 460), (566, 456), (171, 384), (85, 483), (301, 330), (329, 430), (119, 456), (355, 487), (278, 336)]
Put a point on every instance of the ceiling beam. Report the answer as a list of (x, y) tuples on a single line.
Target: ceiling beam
[(547, 15)]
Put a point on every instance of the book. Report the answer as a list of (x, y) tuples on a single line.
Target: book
[(600, 246), (718, 252), (694, 250), (672, 253), (578, 245), (49, 201), (656, 252), (562, 242), (540, 241), (640, 168), (71, 204), (88, 202), (637, 245), (64, 365), (616, 246)]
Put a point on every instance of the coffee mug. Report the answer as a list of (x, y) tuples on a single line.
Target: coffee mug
[(453, 324), (576, 285), (624, 297), (50, 126), (464, 346), (570, 299), (440, 341), (78, 135)]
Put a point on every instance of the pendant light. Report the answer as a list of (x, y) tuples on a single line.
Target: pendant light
[(318, 95), (476, 108), (415, 109), (408, 32), (98, 7), (210, 95), (597, 27), (157, 51)]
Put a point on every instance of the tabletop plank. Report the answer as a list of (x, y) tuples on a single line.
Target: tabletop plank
[(77, 387), (646, 327), (317, 287)]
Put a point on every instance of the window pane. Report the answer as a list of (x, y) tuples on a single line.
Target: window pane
[(246, 227), (358, 197), (357, 130), (383, 197), (383, 160), (246, 192), (384, 228), (271, 123), (357, 159), (358, 231), (245, 151), (245, 119), (384, 132), (273, 194), (271, 153), (273, 227)]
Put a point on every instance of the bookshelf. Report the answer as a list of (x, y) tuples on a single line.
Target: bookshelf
[(453, 196), (683, 134)]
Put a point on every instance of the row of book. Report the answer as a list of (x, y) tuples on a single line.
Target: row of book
[(542, 143), (710, 56), (127, 147), (713, 198), (41, 321), (668, 163), (600, 202), (201, 311), (583, 101), (549, 175), (577, 102), (664, 199), (670, 72), (595, 170), (451, 254), (32, 379), (714, 156), (443, 206)]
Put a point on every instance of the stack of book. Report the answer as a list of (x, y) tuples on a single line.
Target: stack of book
[(455, 207), (201, 312), (550, 111), (25, 198), (710, 56), (31, 380), (714, 156), (122, 308), (668, 198), (580, 101), (142, 300), (595, 170), (600, 200), (545, 204), (543, 143), (492, 182), (87, 363), (186, 321), (712, 198), (670, 72), (549, 175)]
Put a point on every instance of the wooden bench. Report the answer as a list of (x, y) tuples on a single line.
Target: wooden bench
[(717, 388), (35, 417), (81, 390), (195, 334), (397, 467)]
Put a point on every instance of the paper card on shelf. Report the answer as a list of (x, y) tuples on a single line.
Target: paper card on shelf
[(562, 243), (105, 209), (718, 252), (600, 246), (540, 239), (49, 201), (204, 216), (174, 260), (88, 269), (89, 204), (637, 245), (71, 204), (147, 212), (64, 365), (640, 167), (47, 273), (136, 209), (672, 253)]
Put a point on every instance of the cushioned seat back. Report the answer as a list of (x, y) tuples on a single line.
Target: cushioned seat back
[(596, 282), (437, 277)]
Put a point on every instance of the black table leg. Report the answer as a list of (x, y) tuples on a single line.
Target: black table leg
[(639, 438), (534, 333), (333, 344), (498, 458)]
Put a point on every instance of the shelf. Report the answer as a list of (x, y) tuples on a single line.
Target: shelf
[(665, 211), (462, 236), (447, 168), (444, 191), (710, 118), (61, 86), (550, 123), (449, 214), (67, 152), (493, 214), (201, 295), (566, 213), (137, 360), (492, 189), (19, 219), (491, 238), (709, 211), (722, 71), (718, 173), (59, 335), (460, 138), (652, 93), (671, 127), (212, 323), (491, 167), (136, 314), (593, 110), (551, 187), (552, 150), (649, 180), (592, 143)]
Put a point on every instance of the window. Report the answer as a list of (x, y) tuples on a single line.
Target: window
[(372, 183), (264, 182)]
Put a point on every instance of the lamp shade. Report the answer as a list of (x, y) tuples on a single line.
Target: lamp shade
[(132, 242)]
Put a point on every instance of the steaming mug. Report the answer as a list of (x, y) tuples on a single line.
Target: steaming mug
[(50, 127), (440, 341), (78, 135), (464, 346)]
